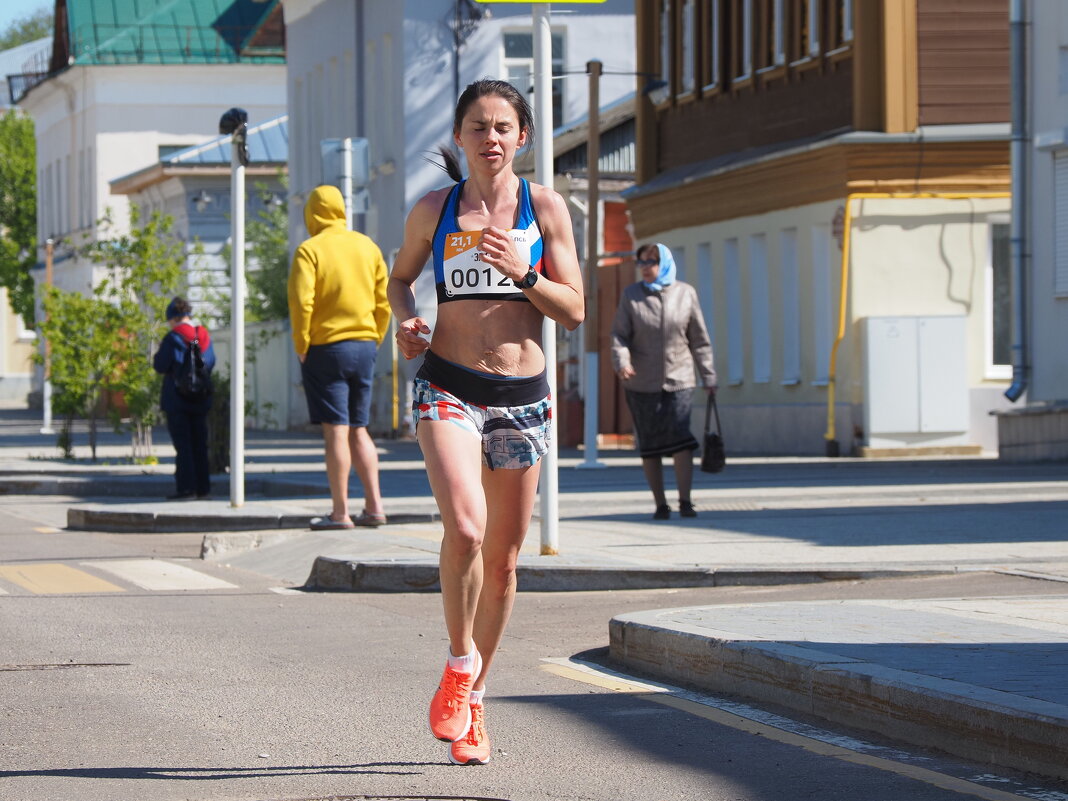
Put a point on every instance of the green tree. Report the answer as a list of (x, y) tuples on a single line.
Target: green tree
[(18, 211), (267, 261), (102, 345), (26, 29), (80, 334), (268, 239)]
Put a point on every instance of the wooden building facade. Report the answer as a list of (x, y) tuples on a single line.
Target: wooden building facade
[(774, 118)]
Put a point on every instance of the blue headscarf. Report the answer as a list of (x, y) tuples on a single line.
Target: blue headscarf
[(667, 270)]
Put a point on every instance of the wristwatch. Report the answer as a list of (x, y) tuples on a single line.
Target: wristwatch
[(528, 280)]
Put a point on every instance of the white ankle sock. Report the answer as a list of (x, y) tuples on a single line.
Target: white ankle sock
[(476, 695), (464, 664)]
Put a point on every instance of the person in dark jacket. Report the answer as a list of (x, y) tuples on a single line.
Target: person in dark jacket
[(187, 421)]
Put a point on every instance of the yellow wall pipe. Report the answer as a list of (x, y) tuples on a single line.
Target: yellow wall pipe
[(843, 300)]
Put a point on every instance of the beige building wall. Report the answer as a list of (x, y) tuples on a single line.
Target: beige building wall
[(16, 350), (770, 288)]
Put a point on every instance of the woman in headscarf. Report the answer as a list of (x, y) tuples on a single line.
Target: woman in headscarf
[(658, 339)]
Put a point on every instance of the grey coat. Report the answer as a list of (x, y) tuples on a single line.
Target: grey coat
[(662, 335)]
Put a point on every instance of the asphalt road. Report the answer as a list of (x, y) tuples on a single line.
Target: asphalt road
[(131, 670)]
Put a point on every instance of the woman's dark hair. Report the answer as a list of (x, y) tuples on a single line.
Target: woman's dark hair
[(487, 87), (647, 247), (178, 307)]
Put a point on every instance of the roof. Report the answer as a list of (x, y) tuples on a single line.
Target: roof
[(268, 148), (160, 32)]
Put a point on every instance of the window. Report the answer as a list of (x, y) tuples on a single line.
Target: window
[(845, 22), (742, 42), (791, 307), (665, 42), (999, 303), (759, 311), (812, 25), (689, 82), (805, 30), (822, 303), (770, 23), (519, 67), (715, 34), (735, 337)]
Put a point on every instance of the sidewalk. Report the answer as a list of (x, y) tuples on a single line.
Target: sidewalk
[(982, 678)]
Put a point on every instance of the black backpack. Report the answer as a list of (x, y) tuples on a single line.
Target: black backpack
[(193, 382)]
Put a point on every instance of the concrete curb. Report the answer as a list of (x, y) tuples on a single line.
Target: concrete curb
[(143, 485), (331, 574), (972, 722), (126, 522)]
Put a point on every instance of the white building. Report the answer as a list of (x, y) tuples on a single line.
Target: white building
[(127, 85), (390, 71), (1039, 428)]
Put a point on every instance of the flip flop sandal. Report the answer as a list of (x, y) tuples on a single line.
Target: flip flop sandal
[(369, 520), (327, 523)]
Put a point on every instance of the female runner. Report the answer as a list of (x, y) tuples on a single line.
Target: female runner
[(504, 258)]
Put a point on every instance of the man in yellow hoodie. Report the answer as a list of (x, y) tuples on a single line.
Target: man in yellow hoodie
[(340, 315)]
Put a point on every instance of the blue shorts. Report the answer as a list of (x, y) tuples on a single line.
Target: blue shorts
[(337, 382)]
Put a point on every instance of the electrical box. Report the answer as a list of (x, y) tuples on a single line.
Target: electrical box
[(915, 375)]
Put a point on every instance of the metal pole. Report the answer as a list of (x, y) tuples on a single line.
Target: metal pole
[(1018, 154), (46, 389), (593, 248), (543, 174), (346, 178), (237, 322)]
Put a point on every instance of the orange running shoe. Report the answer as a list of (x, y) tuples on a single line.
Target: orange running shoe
[(450, 708), (474, 747)]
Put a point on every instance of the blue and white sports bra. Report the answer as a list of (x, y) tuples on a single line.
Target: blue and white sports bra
[(459, 271)]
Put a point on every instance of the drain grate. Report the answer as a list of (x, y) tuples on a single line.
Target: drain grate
[(64, 665)]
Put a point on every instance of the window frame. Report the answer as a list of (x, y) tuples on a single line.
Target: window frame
[(714, 31), (808, 53), (688, 50), (991, 369), (742, 43), (557, 66)]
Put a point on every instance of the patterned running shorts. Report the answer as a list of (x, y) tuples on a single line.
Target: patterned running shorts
[(513, 437)]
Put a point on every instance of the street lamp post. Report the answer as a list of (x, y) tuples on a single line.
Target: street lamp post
[(543, 174), (235, 123), (593, 242)]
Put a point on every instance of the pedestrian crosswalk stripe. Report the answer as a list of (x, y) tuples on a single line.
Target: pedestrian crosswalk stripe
[(154, 574), (54, 579)]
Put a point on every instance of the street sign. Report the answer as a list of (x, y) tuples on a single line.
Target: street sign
[(554, 2)]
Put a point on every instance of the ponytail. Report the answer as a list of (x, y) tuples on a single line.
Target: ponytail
[(451, 165)]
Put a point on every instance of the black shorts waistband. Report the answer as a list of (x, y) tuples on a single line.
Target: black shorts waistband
[(481, 389)]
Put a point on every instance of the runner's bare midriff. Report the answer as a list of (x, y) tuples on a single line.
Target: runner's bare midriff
[(502, 337)]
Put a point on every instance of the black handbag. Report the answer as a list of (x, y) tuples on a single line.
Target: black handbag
[(713, 458)]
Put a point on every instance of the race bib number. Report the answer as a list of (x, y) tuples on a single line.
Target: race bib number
[(466, 274)]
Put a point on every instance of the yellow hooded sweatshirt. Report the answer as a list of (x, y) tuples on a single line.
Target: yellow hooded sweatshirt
[(337, 283)]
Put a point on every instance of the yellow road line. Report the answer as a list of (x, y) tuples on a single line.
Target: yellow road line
[(648, 693), (53, 579)]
